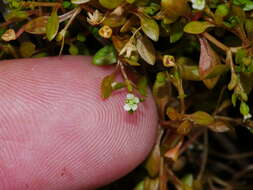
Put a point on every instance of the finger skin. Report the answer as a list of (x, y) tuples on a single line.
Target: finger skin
[(56, 133)]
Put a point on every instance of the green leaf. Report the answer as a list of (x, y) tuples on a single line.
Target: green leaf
[(233, 82), (118, 85), (176, 32), (222, 10), (172, 9), (197, 27), (151, 9), (52, 25), (105, 56), (73, 50), (79, 1), (149, 27), (202, 118), (140, 186), (240, 54), (80, 37), (239, 2), (142, 85), (27, 49), (146, 50), (233, 99), (110, 4), (217, 71), (16, 15), (249, 28), (106, 86), (131, 62), (188, 180), (244, 108)]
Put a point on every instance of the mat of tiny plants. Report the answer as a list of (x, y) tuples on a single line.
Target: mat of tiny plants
[(196, 56)]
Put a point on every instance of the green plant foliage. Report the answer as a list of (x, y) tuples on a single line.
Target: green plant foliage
[(197, 27), (195, 55), (105, 56), (150, 27), (52, 25), (106, 86)]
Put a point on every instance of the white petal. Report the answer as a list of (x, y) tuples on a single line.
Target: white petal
[(198, 4), (134, 107), (130, 96), (127, 107), (136, 100), (90, 14), (247, 117)]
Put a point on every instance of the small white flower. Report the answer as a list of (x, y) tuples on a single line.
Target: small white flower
[(131, 103), (95, 18), (248, 116), (198, 4)]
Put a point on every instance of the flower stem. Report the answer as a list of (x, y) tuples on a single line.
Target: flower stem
[(40, 4), (215, 41)]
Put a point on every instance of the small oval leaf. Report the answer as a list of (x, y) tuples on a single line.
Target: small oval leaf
[(52, 25), (149, 27), (197, 27), (110, 4), (105, 56), (146, 50), (142, 85), (201, 118), (106, 86)]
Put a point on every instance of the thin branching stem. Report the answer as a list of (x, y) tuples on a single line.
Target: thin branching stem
[(205, 156), (40, 4)]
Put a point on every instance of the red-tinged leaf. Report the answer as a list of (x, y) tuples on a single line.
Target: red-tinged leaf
[(173, 153), (207, 63)]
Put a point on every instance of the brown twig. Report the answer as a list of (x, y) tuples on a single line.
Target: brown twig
[(205, 156), (219, 44), (40, 4)]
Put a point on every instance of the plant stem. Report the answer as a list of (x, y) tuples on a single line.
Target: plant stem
[(219, 44), (40, 4), (205, 156), (215, 41), (73, 16)]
